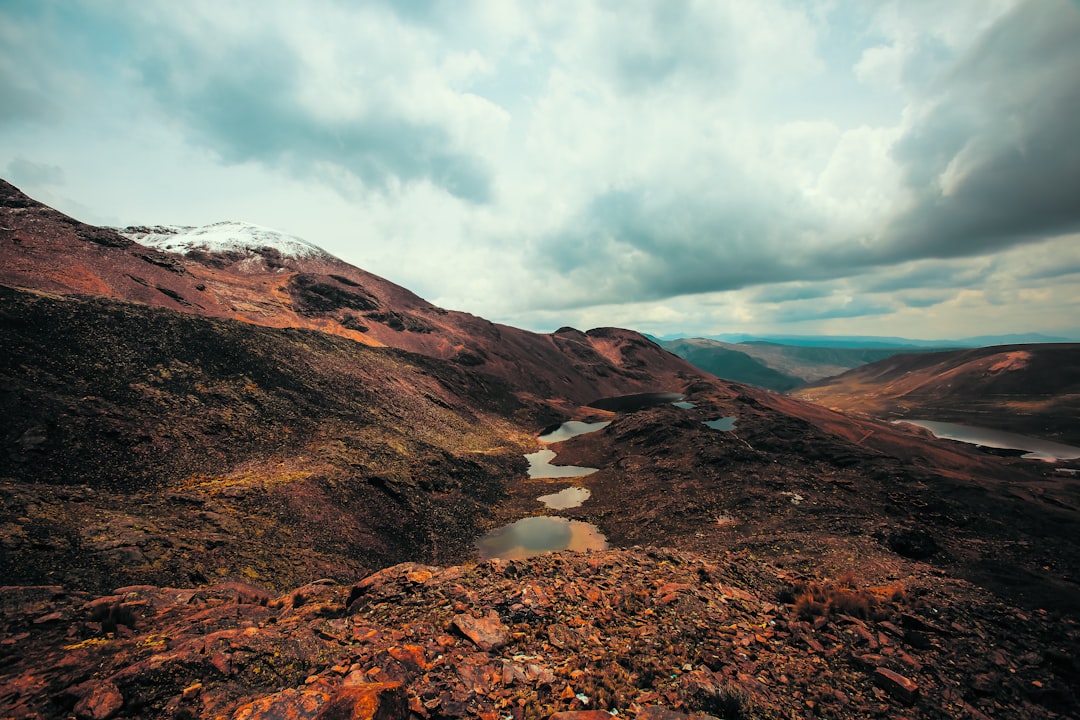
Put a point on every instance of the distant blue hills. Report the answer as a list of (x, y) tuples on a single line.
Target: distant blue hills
[(872, 341), (785, 362)]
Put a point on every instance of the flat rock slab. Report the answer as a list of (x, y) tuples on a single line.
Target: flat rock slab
[(896, 685), (487, 633)]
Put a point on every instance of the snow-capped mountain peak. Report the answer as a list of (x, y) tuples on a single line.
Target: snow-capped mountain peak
[(222, 237)]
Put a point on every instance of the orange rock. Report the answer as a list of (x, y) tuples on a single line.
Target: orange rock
[(102, 702), (897, 685), (374, 701), (412, 656), (419, 577), (285, 705), (657, 712), (487, 633), (581, 715)]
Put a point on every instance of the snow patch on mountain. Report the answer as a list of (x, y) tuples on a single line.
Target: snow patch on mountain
[(222, 237)]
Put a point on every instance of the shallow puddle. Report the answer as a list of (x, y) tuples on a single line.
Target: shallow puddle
[(540, 467), (571, 497), (572, 429), (539, 535), (724, 423)]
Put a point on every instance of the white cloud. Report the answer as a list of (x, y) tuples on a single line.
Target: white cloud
[(638, 164)]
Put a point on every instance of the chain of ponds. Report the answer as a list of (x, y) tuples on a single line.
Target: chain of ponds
[(536, 535)]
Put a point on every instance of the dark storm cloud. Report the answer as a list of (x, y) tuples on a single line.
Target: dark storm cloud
[(248, 108), (1005, 125), (787, 293), (937, 275), (644, 244), (999, 126)]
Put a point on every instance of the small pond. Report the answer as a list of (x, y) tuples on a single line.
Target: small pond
[(1035, 448), (572, 429), (540, 467), (539, 535), (571, 497), (684, 405), (639, 401), (724, 423)]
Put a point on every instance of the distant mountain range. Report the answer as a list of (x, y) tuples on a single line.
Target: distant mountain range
[(871, 341), (1029, 389), (774, 366), (783, 364)]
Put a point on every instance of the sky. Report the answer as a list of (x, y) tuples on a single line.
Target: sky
[(837, 167)]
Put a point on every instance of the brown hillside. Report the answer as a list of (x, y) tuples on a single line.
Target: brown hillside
[(1027, 389), (42, 249)]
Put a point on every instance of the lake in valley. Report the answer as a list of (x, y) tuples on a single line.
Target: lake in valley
[(1035, 448)]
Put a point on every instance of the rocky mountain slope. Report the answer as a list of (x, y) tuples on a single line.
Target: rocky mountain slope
[(203, 508), (246, 276), (1027, 389)]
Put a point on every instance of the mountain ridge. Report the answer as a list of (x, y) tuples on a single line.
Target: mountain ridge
[(220, 237), (1028, 389), (52, 252)]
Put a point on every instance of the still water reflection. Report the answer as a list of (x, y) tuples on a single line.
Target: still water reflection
[(572, 429), (539, 535), (571, 497), (540, 466), (1036, 449), (724, 423)]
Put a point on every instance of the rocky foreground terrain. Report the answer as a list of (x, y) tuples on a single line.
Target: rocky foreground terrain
[(247, 485), (650, 633)]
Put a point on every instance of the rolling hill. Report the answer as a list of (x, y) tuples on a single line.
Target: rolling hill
[(1027, 389)]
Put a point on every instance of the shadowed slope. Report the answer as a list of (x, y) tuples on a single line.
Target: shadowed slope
[(165, 447)]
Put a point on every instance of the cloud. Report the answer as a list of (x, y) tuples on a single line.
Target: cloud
[(792, 291), (993, 160), (833, 309), (24, 97), (930, 274), (24, 172), (332, 87), (712, 165)]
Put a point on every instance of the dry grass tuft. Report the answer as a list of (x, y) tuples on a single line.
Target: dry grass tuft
[(842, 596)]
